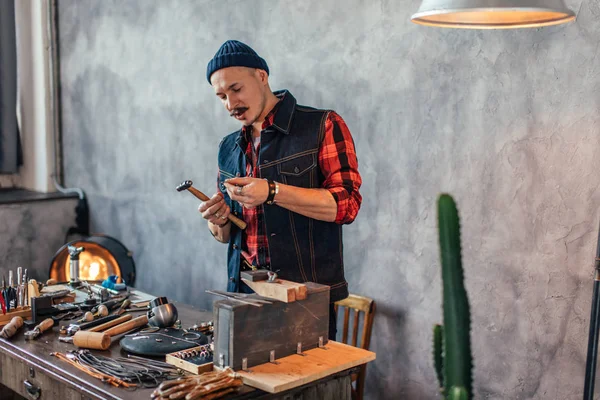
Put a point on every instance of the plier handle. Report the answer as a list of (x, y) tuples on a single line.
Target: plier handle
[(3, 303)]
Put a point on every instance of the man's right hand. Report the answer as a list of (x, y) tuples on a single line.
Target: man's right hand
[(215, 210)]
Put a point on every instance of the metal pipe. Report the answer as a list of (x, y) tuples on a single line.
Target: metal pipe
[(54, 84), (592, 353)]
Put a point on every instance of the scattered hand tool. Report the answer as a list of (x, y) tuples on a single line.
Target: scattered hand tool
[(10, 294), (231, 296), (19, 289), (5, 304), (102, 340), (110, 324), (126, 303), (25, 289), (46, 324), (87, 325), (11, 328), (88, 316), (101, 288), (188, 185), (101, 312)]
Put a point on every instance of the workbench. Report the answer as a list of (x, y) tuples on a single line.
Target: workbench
[(29, 363)]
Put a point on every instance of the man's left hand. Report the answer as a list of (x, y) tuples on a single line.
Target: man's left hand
[(249, 192)]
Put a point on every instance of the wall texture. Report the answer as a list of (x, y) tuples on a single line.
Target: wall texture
[(506, 121), (31, 233)]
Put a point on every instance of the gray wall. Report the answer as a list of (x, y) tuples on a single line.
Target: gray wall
[(506, 121), (31, 233)]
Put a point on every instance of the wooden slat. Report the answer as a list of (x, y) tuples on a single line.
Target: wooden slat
[(346, 318), (24, 312), (355, 327), (295, 370)]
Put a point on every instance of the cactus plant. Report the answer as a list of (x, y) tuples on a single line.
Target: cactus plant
[(452, 343)]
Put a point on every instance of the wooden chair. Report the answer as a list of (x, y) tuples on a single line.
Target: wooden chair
[(360, 305)]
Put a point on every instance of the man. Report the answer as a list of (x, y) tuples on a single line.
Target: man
[(290, 173)]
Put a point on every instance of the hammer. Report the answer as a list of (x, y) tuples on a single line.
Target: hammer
[(102, 340), (188, 185)]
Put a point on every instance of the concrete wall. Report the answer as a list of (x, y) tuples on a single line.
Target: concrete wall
[(31, 232), (506, 121)]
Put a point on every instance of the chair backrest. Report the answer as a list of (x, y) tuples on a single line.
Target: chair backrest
[(360, 305)]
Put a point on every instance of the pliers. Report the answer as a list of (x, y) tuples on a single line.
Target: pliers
[(2, 297), (8, 295)]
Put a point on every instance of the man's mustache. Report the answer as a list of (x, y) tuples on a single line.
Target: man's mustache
[(238, 111)]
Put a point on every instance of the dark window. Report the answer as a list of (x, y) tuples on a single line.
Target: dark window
[(10, 146)]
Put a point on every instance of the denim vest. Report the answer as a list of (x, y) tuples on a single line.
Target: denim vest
[(301, 249)]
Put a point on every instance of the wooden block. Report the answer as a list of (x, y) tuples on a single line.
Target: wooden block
[(295, 370), (24, 312), (299, 288), (282, 290)]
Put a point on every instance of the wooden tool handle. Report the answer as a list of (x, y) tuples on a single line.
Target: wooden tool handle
[(127, 326), (110, 324), (238, 222), (12, 327), (92, 340), (46, 324)]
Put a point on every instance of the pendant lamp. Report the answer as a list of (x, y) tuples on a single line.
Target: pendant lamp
[(492, 14)]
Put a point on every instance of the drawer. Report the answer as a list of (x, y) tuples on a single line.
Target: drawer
[(32, 382)]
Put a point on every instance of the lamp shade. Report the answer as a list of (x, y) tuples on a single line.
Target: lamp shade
[(492, 14)]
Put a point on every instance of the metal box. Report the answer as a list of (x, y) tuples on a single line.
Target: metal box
[(243, 331)]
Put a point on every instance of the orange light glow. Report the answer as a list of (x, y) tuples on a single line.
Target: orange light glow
[(95, 264)]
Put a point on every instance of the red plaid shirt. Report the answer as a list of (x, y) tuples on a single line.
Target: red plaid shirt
[(339, 165)]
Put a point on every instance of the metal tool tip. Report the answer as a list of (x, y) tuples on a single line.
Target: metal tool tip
[(184, 185)]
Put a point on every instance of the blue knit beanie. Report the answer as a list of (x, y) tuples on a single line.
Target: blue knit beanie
[(235, 54)]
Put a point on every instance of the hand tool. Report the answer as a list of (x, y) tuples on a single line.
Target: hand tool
[(102, 340), (4, 295), (70, 331), (19, 289), (231, 297), (43, 326), (111, 304), (137, 309), (9, 296), (88, 316), (126, 303), (244, 296), (101, 312), (110, 324), (162, 313), (74, 265), (25, 285), (101, 288), (188, 185), (12, 327)]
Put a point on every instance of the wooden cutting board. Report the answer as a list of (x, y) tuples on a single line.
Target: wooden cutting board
[(295, 370)]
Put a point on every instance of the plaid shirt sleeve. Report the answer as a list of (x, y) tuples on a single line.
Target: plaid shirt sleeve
[(339, 165)]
